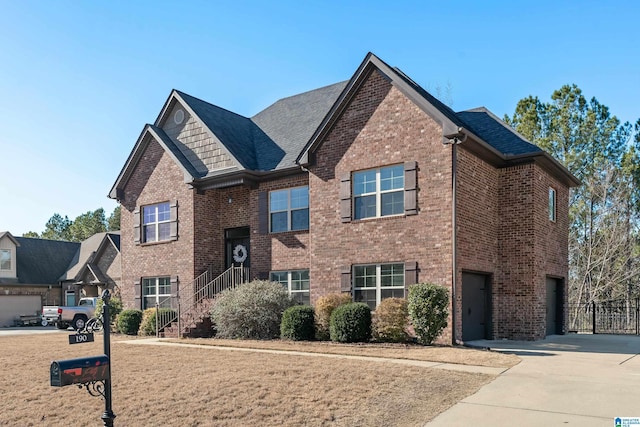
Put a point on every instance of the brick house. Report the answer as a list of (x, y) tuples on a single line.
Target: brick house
[(365, 186)]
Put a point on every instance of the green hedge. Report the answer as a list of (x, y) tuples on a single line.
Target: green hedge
[(351, 323), (129, 321), (298, 323), (428, 310)]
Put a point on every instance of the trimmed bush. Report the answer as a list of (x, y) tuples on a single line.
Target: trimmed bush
[(115, 307), (148, 324), (323, 309), (251, 311), (298, 323), (428, 310), (390, 320), (351, 323), (129, 321)]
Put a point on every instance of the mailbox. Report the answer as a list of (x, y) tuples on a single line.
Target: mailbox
[(77, 371)]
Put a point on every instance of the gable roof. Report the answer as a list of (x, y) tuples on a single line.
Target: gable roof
[(87, 255), (281, 137), (9, 236), (41, 262)]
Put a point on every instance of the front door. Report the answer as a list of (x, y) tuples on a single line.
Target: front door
[(237, 247), (553, 306), (476, 307)]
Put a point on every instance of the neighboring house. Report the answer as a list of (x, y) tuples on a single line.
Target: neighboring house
[(367, 187), (37, 272)]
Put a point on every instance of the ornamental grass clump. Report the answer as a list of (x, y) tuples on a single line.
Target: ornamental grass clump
[(251, 311), (323, 309), (129, 321), (298, 323), (390, 320), (148, 324), (351, 323), (428, 306)]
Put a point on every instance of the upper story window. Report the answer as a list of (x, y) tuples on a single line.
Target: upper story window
[(375, 193), (296, 282), (552, 204), (5, 259), (375, 282), (289, 209), (156, 222)]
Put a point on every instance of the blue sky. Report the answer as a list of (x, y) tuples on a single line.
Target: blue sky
[(79, 79)]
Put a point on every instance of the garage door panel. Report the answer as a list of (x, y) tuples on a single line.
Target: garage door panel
[(12, 306)]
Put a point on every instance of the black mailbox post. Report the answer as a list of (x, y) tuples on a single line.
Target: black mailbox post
[(94, 373)]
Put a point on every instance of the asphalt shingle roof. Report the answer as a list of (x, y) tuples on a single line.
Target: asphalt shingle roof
[(41, 261)]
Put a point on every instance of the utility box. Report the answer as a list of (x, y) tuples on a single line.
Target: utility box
[(77, 371)]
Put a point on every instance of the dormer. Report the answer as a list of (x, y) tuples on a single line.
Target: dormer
[(8, 245)]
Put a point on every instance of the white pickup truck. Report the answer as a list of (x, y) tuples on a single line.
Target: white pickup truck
[(75, 316)]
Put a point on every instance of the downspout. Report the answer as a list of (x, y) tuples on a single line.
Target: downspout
[(454, 140)]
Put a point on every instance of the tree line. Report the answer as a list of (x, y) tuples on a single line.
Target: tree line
[(604, 212), (81, 228)]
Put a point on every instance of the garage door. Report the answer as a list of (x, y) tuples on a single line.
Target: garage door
[(12, 306)]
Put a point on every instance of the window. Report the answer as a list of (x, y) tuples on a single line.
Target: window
[(289, 209), (375, 282), (156, 222), (552, 204), (5, 259), (378, 192), (296, 282), (156, 290)]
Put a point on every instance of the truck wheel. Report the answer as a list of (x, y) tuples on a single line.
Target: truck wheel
[(79, 322), (61, 325)]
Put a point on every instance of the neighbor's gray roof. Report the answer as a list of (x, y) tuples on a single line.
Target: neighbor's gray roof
[(497, 133), (41, 262), (85, 253)]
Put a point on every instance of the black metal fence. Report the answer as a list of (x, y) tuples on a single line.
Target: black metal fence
[(607, 317)]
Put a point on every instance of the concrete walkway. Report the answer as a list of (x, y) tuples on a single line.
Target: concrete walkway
[(420, 363), (570, 380)]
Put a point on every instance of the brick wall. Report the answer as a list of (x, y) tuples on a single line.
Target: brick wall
[(381, 127), (156, 178)]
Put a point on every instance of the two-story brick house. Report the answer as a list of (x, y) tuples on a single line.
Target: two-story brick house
[(365, 186)]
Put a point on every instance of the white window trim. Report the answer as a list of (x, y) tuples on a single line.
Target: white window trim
[(156, 223), (553, 208), (290, 281), (289, 210), (378, 193), (158, 297), (378, 288), (10, 260)]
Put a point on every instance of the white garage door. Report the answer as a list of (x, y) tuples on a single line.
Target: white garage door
[(12, 306)]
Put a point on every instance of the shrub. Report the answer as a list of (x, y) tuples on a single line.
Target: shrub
[(115, 307), (251, 311), (129, 321), (323, 309), (298, 323), (148, 324), (428, 310), (351, 323), (390, 320)]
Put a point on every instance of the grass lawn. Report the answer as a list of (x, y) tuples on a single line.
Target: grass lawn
[(179, 386)]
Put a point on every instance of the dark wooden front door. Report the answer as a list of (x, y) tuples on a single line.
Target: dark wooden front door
[(553, 306), (237, 250), (476, 307)]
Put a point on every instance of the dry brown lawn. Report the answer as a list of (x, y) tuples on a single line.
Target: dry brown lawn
[(180, 386)]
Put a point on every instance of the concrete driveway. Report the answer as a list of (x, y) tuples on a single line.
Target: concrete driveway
[(29, 330), (579, 380)]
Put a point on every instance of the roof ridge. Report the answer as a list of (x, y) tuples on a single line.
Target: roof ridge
[(183, 94)]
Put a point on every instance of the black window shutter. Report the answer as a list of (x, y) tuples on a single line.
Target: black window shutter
[(136, 226), (137, 294), (263, 275), (263, 212), (173, 217), (410, 188), (174, 290), (345, 279), (410, 275), (345, 198)]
